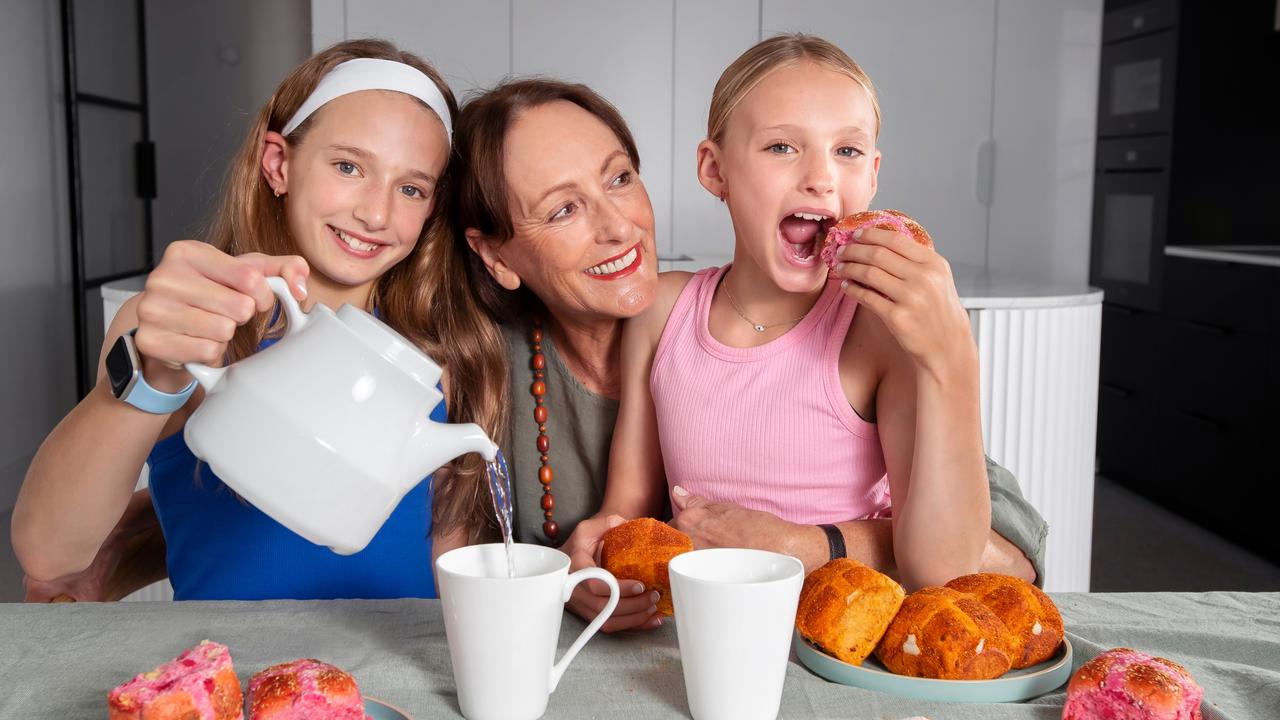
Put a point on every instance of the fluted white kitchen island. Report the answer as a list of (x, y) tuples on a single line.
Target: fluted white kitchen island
[(1038, 347)]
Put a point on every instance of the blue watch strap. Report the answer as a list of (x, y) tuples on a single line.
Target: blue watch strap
[(148, 399)]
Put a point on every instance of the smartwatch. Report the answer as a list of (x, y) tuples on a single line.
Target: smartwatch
[(124, 371)]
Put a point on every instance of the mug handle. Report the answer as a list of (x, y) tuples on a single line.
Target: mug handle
[(570, 583), (209, 376)]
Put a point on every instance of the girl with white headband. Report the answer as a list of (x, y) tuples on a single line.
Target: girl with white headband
[(334, 189)]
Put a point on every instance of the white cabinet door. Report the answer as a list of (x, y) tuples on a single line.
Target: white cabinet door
[(1046, 99), (932, 64), (622, 51), (710, 34), (470, 43)]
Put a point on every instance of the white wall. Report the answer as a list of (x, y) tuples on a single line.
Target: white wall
[(210, 67), (1045, 125), (37, 372), (1016, 79)]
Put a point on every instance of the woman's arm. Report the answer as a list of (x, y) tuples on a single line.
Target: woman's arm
[(636, 485)]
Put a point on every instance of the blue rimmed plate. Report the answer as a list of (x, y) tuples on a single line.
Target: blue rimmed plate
[(379, 710), (1013, 686)]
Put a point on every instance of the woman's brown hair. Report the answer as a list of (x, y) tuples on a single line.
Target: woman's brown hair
[(468, 299)]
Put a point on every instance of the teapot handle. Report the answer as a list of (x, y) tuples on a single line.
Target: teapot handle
[(208, 377), (297, 318)]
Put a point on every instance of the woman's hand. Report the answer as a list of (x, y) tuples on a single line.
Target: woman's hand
[(196, 298), (910, 288), (637, 610)]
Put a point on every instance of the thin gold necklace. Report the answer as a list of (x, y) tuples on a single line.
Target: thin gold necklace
[(759, 327)]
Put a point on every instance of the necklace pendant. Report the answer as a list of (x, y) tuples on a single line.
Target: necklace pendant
[(758, 327)]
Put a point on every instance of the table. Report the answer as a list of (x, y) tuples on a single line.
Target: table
[(60, 660)]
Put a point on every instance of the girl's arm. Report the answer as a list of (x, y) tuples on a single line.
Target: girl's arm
[(83, 476), (721, 524), (927, 405)]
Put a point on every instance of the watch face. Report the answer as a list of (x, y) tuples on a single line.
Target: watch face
[(119, 367)]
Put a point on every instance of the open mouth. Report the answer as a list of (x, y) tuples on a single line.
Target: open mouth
[(802, 233), (617, 266), (355, 245)]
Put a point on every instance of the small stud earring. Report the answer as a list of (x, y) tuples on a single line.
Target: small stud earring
[(276, 191)]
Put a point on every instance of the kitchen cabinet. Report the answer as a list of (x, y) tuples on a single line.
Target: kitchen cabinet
[(1126, 393), (1187, 406)]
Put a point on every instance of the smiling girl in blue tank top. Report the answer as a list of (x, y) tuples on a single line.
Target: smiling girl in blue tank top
[(341, 168)]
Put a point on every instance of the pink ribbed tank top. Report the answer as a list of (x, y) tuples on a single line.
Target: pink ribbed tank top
[(766, 427)]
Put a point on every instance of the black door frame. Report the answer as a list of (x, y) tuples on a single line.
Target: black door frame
[(144, 172)]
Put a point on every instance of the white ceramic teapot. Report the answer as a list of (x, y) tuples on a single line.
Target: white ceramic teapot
[(327, 429)]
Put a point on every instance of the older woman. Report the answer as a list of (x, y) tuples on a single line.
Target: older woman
[(559, 241)]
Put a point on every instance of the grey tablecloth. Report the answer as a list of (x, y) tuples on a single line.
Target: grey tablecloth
[(59, 661)]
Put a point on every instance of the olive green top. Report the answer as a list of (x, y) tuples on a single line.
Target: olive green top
[(580, 430)]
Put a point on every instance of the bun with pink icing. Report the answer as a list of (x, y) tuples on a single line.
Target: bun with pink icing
[(842, 233), (304, 689), (199, 684), (1125, 684)]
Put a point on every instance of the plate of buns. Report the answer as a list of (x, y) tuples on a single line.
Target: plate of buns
[(981, 638)]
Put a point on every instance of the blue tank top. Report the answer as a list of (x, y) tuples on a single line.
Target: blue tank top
[(219, 547)]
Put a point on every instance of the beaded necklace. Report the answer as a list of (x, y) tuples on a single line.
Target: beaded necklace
[(538, 363)]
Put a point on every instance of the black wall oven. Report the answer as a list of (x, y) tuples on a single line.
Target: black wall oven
[(1132, 172)]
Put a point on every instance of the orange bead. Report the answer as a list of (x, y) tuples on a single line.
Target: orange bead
[(540, 414), (545, 474), (550, 529), (538, 362), (544, 443), (538, 388), (548, 502), (536, 335)]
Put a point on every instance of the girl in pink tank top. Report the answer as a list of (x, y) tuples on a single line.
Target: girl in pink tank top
[(777, 387)]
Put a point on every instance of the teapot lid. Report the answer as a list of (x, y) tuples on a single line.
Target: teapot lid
[(393, 346)]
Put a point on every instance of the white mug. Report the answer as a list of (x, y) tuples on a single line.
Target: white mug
[(502, 632), (735, 611)]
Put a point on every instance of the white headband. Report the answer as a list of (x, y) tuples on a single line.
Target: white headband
[(373, 74)]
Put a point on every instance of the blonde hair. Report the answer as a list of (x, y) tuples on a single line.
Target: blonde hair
[(777, 52)]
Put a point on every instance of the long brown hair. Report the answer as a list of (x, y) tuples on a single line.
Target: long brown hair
[(252, 219), (469, 302)]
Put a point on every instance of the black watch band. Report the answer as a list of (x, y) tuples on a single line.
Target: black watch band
[(835, 539)]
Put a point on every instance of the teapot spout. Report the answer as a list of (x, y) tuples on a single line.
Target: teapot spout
[(439, 443)]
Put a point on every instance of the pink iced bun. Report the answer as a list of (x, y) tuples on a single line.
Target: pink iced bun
[(842, 233), (302, 690), (199, 684), (1124, 684)]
